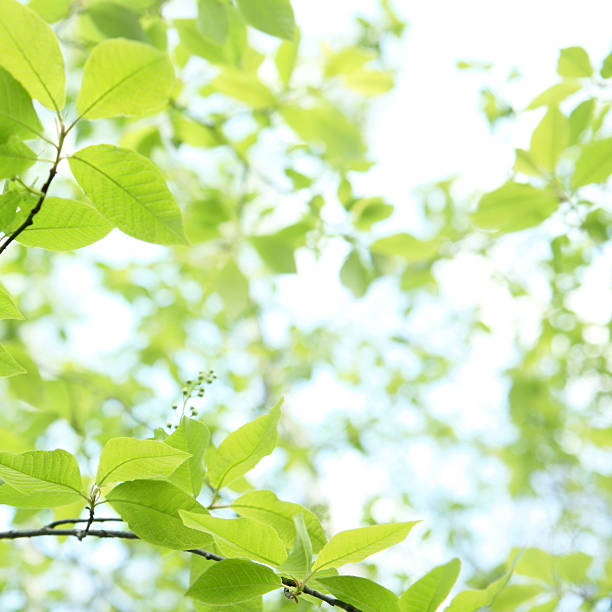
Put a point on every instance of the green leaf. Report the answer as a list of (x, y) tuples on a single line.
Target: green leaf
[(555, 94), (15, 157), (8, 309), (368, 211), (594, 165), (192, 437), (369, 82), (473, 600), (284, 60), (515, 594), (233, 287), (65, 225), (515, 206), (51, 10), (124, 77), (427, 593), (362, 593), (347, 61), (574, 62), (112, 20), (11, 497), (276, 253), (273, 17), (8, 365), (37, 472), (151, 509), (242, 449), (355, 275), (299, 561), (524, 163), (549, 139), (233, 581), (212, 20), (357, 544), (240, 537), (266, 508), (579, 120), (406, 246), (17, 115), (606, 67), (30, 52), (132, 459), (243, 86), (129, 190)]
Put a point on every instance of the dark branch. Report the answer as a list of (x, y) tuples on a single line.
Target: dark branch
[(49, 530)]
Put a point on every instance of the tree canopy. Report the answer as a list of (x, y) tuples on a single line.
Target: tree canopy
[(176, 430)]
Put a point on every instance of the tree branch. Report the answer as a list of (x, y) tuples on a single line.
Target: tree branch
[(49, 530)]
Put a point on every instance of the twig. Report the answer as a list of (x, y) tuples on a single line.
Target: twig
[(49, 530)]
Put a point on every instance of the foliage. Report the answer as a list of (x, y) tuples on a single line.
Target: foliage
[(214, 138)]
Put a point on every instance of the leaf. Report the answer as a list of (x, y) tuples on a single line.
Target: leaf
[(594, 165), (17, 115), (124, 77), (369, 82), (606, 67), (192, 437), (11, 497), (549, 139), (362, 593), (8, 365), (299, 561), (515, 594), (406, 246), (132, 459), (273, 17), (284, 60), (555, 94), (37, 472), (242, 449), (15, 157), (354, 274), (65, 225), (266, 508), (357, 544), (473, 600), (574, 62), (243, 86), (30, 52), (151, 509), (276, 253), (515, 206), (240, 537), (8, 309), (212, 20), (427, 593), (579, 120), (368, 211), (112, 20), (129, 190), (233, 581), (51, 10), (233, 287)]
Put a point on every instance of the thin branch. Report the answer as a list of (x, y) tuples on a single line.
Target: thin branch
[(49, 530), (43, 194), (81, 520)]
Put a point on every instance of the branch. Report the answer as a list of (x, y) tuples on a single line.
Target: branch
[(49, 530), (43, 194)]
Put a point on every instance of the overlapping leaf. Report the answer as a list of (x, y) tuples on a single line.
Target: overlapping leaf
[(427, 593), (365, 594), (17, 115)]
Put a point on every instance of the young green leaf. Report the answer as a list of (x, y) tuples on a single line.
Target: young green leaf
[(240, 537), (276, 253), (30, 52), (365, 594), (265, 507), (132, 459), (151, 509), (38, 472), (212, 20), (579, 120), (555, 94), (129, 190), (354, 274), (273, 17), (8, 310), (357, 544), (574, 62), (8, 365), (243, 449), (12, 497), (549, 139), (407, 247), (515, 206), (65, 225), (284, 60), (51, 10), (124, 77), (473, 600), (233, 581), (192, 437), (427, 593), (15, 157), (17, 115), (244, 87), (594, 165), (299, 561)]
